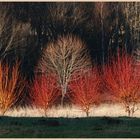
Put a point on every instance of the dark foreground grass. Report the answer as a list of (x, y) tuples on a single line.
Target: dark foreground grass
[(97, 127)]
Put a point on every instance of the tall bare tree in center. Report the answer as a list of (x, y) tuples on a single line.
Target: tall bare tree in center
[(63, 57)]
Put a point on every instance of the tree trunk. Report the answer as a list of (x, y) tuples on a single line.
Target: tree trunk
[(127, 110), (45, 112), (129, 113), (87, 113), (102, 31), (64, 91), (62, 100), (133, 110)]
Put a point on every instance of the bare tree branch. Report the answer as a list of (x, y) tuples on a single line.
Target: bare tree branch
[(12, 33)]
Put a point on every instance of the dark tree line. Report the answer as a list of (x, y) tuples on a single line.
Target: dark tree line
[(102, 26)]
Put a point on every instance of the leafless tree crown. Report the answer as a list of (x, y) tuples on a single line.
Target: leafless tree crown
[(63, 57)]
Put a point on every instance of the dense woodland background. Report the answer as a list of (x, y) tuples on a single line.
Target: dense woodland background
[(25, 28)]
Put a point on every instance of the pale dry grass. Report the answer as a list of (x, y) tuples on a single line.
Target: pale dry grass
[(112, 110)]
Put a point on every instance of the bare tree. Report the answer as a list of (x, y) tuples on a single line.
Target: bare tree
[(132, 15), (63, 57), (12, 33), (101, 10), (65, 17), (103, 25)]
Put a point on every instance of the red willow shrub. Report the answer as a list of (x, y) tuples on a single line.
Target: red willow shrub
[(122, 81), (44, 91), (84, 87), (11, 86)]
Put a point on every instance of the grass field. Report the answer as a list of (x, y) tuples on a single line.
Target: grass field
[(97, 127)]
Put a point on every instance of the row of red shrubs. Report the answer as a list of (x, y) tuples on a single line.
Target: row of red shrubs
[(120, 79)]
